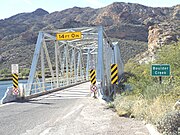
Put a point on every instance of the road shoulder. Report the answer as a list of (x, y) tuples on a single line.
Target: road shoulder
[(92, 117)]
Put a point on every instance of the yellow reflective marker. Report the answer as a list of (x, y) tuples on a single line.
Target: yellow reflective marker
[(68, 35), (15, 80), (114, 74), (93, 76)]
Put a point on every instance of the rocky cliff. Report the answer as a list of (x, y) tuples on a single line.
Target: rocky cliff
[(163, 33), (126, 21)]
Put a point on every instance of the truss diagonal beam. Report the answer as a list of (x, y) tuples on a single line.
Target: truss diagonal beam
[(35, 60), (48, 60)]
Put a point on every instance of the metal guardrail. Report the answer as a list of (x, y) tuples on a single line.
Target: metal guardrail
[(50, 84), (40, 88)]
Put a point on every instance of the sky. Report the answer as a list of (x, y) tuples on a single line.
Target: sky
[(12, 7)]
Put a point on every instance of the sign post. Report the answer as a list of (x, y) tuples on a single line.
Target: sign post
[(160, 70), (15, 71)]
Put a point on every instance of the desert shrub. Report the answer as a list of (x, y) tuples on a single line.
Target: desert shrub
[(169, 124), (5, 71), (149, 100), (171, 55), (24, 72)]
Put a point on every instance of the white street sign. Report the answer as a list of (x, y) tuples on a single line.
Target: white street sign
[(15, 68)]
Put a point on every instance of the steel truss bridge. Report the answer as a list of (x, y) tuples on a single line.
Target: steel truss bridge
[(67, 62)]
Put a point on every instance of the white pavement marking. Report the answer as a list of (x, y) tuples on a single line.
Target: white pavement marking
[(76, 92), (46, 131), (70, 113), (62, 98), (2, 105), (67, 95)]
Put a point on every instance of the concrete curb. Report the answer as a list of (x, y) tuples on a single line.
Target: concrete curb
[(8, 96)]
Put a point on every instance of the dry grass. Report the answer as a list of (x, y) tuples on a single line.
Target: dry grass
[(123, 107), (143, 109)]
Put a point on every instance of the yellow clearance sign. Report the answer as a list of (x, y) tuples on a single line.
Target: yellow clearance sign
[(68, 35)]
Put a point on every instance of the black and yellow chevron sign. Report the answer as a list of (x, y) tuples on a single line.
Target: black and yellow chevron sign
[(93, 76), (15, 80), (114, 74)]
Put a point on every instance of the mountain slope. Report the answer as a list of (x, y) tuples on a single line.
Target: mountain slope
[(127, 21)]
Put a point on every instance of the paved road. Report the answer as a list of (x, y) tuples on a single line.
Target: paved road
[(67, 112), (39, 113)]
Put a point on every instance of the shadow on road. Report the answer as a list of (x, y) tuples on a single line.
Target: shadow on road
[(34, 101)]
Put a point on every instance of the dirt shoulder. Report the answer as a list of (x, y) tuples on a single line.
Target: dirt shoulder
[(91, 117)]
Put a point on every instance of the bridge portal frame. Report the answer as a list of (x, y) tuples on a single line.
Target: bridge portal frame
[(95, 46)]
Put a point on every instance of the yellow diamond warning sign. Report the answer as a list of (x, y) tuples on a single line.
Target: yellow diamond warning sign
[(68, 35)]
